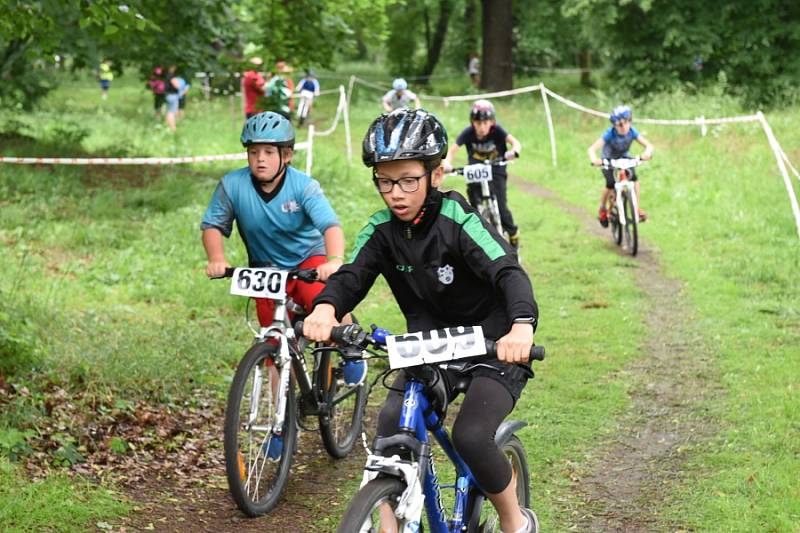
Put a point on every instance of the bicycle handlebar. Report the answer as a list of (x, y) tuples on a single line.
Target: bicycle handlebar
[(499, 162), (354, 335), (308, 275), (621, 162)]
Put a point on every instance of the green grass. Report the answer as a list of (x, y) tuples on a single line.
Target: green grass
[(56, 504), (104, 284)]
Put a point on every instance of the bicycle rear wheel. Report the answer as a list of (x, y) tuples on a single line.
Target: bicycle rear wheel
[(362, 515), (258, 455), (515, 452), (631, 228), (340, 425)]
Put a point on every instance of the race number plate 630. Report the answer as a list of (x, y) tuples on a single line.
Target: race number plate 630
[(435, 346), (478, 173), (259, 283)]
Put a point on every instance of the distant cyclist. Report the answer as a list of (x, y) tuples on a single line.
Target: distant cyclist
[(399, 96), (307, 88), (615, 143), (486, 140)]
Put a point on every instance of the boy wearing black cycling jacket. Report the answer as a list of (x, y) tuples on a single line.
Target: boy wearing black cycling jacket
[(446, 267), (486, 140)]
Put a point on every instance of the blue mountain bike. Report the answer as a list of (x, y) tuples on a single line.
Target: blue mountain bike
[(409, 485)]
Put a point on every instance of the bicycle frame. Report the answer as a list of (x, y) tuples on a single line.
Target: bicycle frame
[(622, 185)]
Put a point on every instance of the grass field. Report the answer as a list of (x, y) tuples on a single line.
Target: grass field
[(104, 287)]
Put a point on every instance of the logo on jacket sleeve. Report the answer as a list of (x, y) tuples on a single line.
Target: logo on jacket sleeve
[(445, 274)]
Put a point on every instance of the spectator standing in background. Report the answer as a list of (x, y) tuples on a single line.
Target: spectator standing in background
[(158, 87), (253, 87), (474, 69)]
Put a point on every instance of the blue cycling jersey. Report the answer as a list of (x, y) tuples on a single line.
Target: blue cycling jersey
[(617, 145), (281, 229)]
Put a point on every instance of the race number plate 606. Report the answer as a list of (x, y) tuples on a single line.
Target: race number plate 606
[(259, 283), (477, 173)]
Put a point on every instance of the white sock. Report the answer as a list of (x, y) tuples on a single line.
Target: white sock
[(525, 528)]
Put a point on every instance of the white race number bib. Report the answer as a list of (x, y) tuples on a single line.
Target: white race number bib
[(477, 173), (259, 283), (414, 349)]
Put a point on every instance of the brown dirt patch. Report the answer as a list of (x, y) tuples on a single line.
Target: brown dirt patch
[(622, 486)]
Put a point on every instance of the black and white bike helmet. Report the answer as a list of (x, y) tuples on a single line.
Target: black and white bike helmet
[(404, 134)]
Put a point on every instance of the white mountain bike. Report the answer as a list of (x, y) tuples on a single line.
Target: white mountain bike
[(481, 173), (274, 390), (623, 216), (305, 99)]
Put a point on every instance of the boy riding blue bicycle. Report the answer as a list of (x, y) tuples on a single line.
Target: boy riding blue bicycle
[(615, 143), (447, 268), (486, 140)]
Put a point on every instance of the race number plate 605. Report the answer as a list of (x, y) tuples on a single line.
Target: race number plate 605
[(259, 283), (435, 346), (477, 173)]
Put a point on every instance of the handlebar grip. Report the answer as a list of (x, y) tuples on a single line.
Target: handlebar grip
[(298, 328), (536, 353), (228, 274)]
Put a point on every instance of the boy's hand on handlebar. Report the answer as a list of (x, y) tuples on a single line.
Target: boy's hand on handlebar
[(317, 326), (646, 156), (597, 162), (510, 155), (325, 270), (515, 346), (447, 166), (216, 269)]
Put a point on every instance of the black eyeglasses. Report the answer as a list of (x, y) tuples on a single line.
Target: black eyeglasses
[(406, 184)]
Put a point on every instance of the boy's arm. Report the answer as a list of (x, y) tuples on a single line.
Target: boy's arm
[(346, 288), (597, 145), (448, 159), (386, 100), (648, 147), (417, 103), (334, 249), (516, 147), (215, 251)]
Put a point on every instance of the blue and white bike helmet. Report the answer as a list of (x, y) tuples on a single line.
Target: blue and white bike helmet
[(268, 128), (399, 84), (620, 112)]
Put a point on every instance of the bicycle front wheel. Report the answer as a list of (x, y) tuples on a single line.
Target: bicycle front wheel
[(363, 513), (631, 228), (515, 452), (340, 424), (258, 453), (616, 227)]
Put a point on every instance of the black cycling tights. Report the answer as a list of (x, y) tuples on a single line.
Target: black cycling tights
[(486, 403)]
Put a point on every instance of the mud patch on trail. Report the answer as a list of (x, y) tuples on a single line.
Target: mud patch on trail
[(625, 481)]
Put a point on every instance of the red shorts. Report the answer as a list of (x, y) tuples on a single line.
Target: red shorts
[(301, 292)]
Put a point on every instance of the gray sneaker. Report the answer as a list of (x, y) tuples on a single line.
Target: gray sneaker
[(533, 522)]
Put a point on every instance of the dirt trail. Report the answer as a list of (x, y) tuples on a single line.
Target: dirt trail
[(620, 487), (617, 489)]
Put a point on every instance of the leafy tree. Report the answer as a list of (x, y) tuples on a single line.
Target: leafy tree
[(414, 21), (656, 45), (312, 31), (32, 32)]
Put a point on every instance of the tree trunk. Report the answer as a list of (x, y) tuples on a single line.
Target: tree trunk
[(497, 70), (472, 30), (585, 63), (435, 49)]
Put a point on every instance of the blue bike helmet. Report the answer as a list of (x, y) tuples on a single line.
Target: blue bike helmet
[(620, 112), (404, 134), (399, 84), (268, 128)]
